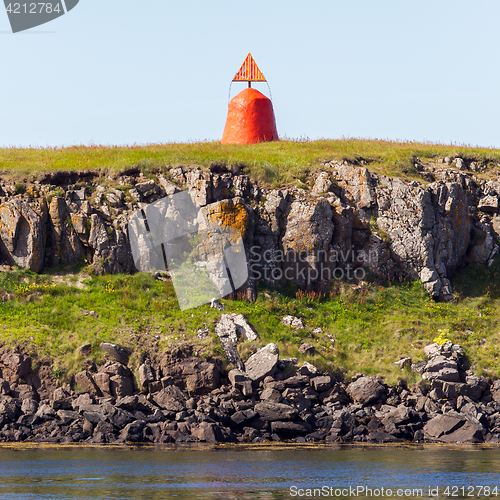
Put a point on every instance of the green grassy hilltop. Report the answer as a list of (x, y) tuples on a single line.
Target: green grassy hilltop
[(274, 162), (364, 329)]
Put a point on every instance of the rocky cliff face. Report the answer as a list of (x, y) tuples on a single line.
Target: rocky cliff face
[(351, 221)]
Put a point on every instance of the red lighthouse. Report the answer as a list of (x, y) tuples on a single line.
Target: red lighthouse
[(250, 117)]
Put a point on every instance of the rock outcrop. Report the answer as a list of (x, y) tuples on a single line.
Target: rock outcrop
[(351, 221)]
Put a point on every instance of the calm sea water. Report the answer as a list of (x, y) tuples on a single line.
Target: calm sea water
[(244, 473)]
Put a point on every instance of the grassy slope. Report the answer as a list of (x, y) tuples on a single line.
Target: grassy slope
[(361, 331), (369, 330), (276, 162)]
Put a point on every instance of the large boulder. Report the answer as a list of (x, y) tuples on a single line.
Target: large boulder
[(262, 363), (133, 432), (193, 375), (453, 428), (366, 390), (171, 398), (272, 411)]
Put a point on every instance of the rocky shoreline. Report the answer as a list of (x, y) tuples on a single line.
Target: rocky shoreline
[(187, 399)]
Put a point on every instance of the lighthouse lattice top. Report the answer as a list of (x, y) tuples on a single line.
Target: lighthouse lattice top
[(249, 71)]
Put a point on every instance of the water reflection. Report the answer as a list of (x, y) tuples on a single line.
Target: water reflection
[(237, 472)]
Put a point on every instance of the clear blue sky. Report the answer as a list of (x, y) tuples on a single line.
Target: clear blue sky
[(142, 71)]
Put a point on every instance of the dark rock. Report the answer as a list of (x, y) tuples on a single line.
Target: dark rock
[(29, 406), (213, 433), (297, 381), (446, 374), (469, 432), (308, 369), (270, 411), (4, 386), (334, 395), (105, 428), (67, 416), (94, 417), (171, 398), (44, 411), (241, 417), (60, 393), (270, 394), (24, 391), (290, 429), (62, 404), (129, 403), (82, 399), (316, 436), (241, 381), (103, 382), (119, 418), (116, 369), (323, 383), (121, 386), (382, 437), (10, 408), (133, 432)]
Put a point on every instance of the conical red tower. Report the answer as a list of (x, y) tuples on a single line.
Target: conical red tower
[(250, 117)]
